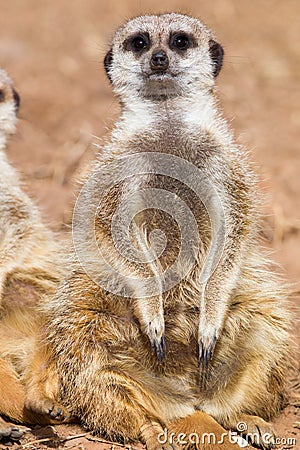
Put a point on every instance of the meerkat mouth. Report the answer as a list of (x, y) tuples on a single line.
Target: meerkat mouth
[(160, 85), (160, 76)]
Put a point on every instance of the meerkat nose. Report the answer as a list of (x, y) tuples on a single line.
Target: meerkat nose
[(159, 60)]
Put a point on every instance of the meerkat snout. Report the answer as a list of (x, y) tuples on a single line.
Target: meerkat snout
[(159, 60)]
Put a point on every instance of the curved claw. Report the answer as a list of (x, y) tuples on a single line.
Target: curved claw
[(159, 347), (206, 350)]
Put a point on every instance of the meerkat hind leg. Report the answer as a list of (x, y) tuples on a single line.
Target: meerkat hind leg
[(200, 431), (12, 393), (42, 390), (149, 435), (10, 431), (12, 397)]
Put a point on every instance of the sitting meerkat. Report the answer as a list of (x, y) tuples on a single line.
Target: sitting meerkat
[(24, 240), (29, 268), (128, 357)]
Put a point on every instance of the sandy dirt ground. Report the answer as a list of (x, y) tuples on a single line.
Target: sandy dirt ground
[(54, 50)]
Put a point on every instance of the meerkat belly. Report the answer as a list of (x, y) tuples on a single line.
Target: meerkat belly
[(111, 341), (119, 332), (172, 382)]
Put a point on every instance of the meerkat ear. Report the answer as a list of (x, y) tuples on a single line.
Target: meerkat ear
[(17, 100), (217, 53), (107, 63)]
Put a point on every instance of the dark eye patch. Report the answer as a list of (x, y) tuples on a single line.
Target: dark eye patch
[(137, 43), (181, 41), (2, 97)]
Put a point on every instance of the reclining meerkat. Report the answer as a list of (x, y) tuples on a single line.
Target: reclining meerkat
[(218, 347), (29, 268)]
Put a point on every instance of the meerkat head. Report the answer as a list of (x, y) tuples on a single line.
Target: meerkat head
[(162, 56), (9, 106)]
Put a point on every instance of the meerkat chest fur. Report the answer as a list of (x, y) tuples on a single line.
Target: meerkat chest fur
[(178, 147)]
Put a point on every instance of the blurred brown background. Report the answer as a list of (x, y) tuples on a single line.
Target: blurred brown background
[(53, 49)]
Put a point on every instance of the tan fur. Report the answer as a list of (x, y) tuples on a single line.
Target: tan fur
[(96, 343), (29, 269)]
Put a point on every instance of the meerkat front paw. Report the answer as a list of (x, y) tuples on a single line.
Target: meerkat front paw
[(155, 331), (150, 314), (50, 408), (207, 341)]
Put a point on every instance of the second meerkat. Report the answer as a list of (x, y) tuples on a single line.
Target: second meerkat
[(220, 347), (29, 269), (25, 242)]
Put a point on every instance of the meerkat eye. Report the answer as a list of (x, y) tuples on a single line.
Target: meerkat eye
[(138, 42), (180, 41), (1, 95)]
